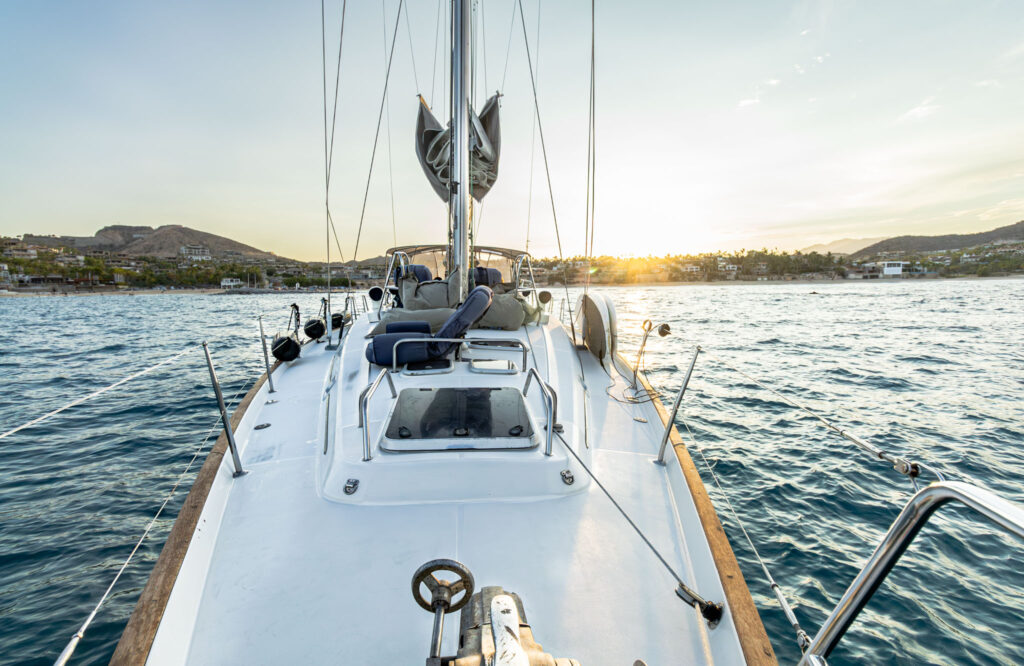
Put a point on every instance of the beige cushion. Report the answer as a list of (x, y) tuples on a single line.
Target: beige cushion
[(506, 312), (435, 317)]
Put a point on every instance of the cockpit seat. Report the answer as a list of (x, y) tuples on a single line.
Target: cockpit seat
[(418, 271), (380, 349), (490, 277)]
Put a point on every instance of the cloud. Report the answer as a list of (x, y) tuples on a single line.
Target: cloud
[(988, 83), (804, 33), (921, 111), (772, 82), (1013, 53), (753, 101)]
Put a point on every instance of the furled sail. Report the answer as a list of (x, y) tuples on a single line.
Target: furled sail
[(433, 149)]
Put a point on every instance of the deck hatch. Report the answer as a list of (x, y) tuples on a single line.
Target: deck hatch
[(459, 418)]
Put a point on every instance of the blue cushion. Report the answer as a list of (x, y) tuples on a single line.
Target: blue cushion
[(382, 347), (486, 276), (407, 327), (418, 271), (467, 314)]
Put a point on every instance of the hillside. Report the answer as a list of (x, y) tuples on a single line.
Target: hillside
[(843, 246), (165, 241), (915, 244)]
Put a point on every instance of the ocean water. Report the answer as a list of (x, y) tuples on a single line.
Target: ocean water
[(933, 370)]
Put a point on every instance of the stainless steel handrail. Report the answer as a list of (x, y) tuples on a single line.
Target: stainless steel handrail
[(364, 402), (550, 406), (518, 276), (266, 357), (228, 431), (402, 264), (915, 514), (516, 341), (675, 408)]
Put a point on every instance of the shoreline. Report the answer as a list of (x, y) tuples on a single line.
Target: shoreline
[(687, 283)]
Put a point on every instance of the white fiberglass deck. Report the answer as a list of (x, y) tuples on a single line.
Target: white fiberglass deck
[(284, 569)]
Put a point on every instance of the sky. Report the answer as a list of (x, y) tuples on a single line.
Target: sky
[(720, 126)]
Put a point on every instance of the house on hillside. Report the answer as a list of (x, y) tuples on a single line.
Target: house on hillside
[(195, 253), (894, 269)]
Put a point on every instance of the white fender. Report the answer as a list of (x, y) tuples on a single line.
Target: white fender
[(596, 324)]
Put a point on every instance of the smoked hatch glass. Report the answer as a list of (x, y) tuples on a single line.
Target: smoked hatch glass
[(460, 413)]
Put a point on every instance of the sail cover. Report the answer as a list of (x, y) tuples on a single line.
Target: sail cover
[(434, 152)]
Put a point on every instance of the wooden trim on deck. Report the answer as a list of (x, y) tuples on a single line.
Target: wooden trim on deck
[(757, 649), (137, 638)]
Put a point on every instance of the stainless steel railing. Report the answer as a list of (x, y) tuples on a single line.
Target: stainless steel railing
[(912, 518), (512, 341), (224, 413), (364, 402), (675, 407), (517, 277), (550, 406)]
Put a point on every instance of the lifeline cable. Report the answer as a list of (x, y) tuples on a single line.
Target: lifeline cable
[(909, 468), (802, 639), (101, 391), (69, 649)]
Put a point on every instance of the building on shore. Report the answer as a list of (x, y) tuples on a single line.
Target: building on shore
[(195, 253)]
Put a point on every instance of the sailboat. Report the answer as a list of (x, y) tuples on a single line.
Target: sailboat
[(450, 452), (448, 473)]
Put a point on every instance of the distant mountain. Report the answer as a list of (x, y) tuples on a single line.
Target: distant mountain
[(165, 241), (913, 244), (844, 246)]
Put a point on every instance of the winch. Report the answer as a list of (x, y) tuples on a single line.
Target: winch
[(493, 630)]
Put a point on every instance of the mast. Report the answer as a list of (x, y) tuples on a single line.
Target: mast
[(460, 196)]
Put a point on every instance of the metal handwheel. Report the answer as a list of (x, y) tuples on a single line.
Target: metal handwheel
[(442, 591)]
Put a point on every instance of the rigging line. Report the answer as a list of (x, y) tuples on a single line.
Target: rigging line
[(708, 609), (337, 243), (437, 43), (387, 106), (327, 168), (483, 43), (588, 209), (376, 137), (508, 47), (329, 144), (902, 465), (69, 649), (412, 51), (544, 152), (803, 640), (337, 80), (533, 143), (95, 394)]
